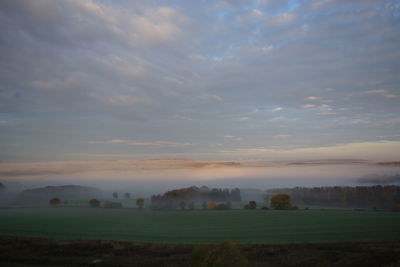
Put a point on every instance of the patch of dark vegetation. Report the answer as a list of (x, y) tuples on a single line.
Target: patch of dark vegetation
[(41, 196), (365, 197), (19, 251)]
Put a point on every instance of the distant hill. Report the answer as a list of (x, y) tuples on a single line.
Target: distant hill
[(41, 196)]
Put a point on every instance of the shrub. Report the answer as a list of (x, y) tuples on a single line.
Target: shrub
[(252, 205), (396, 208), (182, 205), (55, 201), (140, 203), (191, 206), (226, 253), (281, 202), (211, 205), (94, 203)]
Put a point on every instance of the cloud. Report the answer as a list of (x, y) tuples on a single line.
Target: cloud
[(281, 136), (383, 93), (160, 25), (281, 19), (231, 137), (250, 15), (312, 98), (145, 144), (326, 113), (387, 123), (78, 70), (383, 150), (308, 106)]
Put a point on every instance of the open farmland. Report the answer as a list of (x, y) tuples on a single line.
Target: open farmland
[(253, 226)]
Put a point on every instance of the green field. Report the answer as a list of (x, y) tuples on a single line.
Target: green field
[(251, 226)]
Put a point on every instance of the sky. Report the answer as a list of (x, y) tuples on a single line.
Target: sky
[(208, 80)]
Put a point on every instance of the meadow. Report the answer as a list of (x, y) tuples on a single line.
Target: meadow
[(199, 226)]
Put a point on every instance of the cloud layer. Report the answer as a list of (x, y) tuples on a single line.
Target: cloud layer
[(86, 78)]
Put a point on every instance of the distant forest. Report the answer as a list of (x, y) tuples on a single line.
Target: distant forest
[(194, 194), (371, 197)]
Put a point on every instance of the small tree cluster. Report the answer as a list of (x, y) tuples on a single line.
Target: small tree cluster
[(55, 201), (252, 205), (140, 203), (94, 203), (281, 202)]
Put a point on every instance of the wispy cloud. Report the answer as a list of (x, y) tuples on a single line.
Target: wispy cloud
[(308, 106), (386, 123), (149, 144), (312, 98), (231, 137), (383, 93), (281, 136)]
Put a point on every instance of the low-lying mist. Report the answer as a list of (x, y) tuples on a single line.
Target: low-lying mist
[(143, 178)]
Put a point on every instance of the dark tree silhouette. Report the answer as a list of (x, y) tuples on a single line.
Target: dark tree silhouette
[(55, 201), (140, 203)]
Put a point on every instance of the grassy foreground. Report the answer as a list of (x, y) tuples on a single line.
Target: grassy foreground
[(242, 226)]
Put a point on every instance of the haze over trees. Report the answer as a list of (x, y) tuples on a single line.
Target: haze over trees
[(379, 197), (172, 198), (281, 202), (41, 196)]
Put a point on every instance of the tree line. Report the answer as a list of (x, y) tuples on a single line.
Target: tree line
[(187, 196), (371, 197)]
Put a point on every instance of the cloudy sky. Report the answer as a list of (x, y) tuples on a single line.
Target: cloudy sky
[(215, 80)]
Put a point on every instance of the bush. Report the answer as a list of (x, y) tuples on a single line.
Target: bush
[(55, 201), (140, 203), (191, 206), (226, 253), (252, 205), (281, 202), (211, 205), (396, 208), (94, 203)]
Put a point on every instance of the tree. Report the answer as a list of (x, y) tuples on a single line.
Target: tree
[(211, 205), (226, 253), (55, 201), (140, 203), (115, 195), (127, 195), (182, 205), (94, 203), (396, 208), (281, 202), (252, 205), (191, 206)]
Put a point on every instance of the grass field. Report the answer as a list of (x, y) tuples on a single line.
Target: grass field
[(252, 226)]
